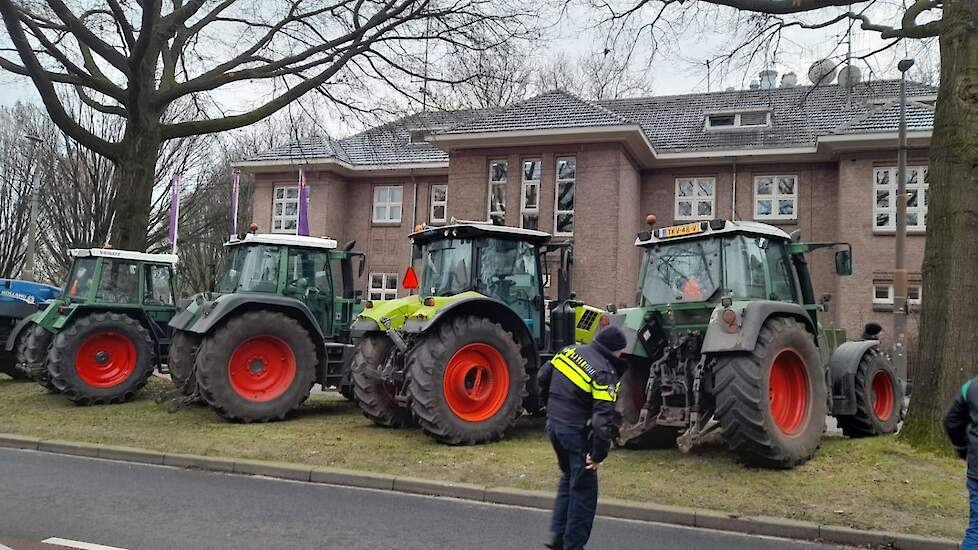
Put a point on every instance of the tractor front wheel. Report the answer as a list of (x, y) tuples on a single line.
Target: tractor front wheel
[(9, 364), (32, 355), (375, 396), (879, 398), (183, 353), (257, 367), (467, 381), (771, 402), (101, 358)]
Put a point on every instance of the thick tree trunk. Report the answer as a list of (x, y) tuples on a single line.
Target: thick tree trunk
[(947, 352), (134, 177)]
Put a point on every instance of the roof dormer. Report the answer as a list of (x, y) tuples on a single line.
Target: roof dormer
[(739, 119)]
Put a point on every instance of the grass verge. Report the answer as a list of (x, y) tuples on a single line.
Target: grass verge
[(877, 483)]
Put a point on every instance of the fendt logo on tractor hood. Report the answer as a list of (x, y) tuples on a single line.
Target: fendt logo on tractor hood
[(27, 298)]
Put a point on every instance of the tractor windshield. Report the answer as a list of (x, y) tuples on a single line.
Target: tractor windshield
[(250, 269), (80, 280), (446, 267), (683, 271)]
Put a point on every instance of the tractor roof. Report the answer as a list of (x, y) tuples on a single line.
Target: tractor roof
[(705, 229), (469, 230), (124, 255), (284, 240)]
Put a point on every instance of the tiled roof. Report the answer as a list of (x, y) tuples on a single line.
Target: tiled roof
[(676, 123)]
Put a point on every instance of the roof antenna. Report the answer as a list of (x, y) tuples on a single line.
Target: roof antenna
[(708, 76), (849, 62)]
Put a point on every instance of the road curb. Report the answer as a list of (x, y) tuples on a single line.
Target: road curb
[(612, 508)]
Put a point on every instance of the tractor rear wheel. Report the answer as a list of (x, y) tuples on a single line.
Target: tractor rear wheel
[(374, 395), (183, 353), (771, 402), (257, 367), (467, 381), (101, 358), (32, 354), (879, 398)]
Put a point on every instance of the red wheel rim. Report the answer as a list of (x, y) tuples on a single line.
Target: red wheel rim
[(883, 397), (476, 382), (262, 368), (788, 391), (105, 359)]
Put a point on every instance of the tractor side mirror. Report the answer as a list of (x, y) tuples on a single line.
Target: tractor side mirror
[(843, 262), (362, 266)]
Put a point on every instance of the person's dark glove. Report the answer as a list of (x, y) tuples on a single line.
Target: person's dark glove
[(962, 452)]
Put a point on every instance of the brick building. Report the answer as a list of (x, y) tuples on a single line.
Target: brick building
[(819, 159)]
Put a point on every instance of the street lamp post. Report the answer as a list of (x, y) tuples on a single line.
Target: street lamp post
[(27, 273), (900, 271)]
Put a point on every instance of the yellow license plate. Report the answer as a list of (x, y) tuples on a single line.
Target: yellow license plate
[(682, 230)]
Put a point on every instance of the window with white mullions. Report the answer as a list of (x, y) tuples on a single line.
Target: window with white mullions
[(439, 204), (285, 209), (695, 198), (387, 203), (564, 203), (885, 188), (498, 178), (883, 294), (776, 197), (383, 286), (530, 196)]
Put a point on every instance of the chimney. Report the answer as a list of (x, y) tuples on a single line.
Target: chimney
[(755, 84), (768, 79), (789, 80)]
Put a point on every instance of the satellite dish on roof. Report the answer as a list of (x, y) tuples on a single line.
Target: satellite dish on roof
[(821, 72), (849, 76)]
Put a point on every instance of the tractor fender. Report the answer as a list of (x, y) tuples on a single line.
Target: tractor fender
[(214, 312), (752, 317), (489, 308), (21, 326), (842, 368), (17, 310)]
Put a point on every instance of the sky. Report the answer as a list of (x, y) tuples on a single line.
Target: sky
[(679, 66)]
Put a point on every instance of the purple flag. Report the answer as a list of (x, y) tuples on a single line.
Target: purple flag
[(235, 178), (174, 210), (303, 228)]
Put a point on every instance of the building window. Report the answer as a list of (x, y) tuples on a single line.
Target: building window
[(498, 178), (530, 197), (383, 286), (695, 198), (747, 119), (439, 204), (883, 294), (387, 203), (285, 209), (776, 197), (564, 203), (885, 187)]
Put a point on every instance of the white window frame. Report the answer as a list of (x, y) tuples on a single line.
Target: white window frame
[(504, 183), (285, 200), (557, 182), (388, 204), (737, 125), (696, 199), (888, 301), (387, 289), (890, 187), (524, 210), (776, 197), (433, 203)]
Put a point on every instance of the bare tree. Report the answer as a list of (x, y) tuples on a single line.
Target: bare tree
[(141, 64), (15, 188), (945, 355)]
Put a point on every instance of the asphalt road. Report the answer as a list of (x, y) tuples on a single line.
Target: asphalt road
[(142, 507)]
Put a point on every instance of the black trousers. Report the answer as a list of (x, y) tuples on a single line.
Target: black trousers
[(577, 492)]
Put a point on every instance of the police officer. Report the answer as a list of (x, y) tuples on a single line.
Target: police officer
[(961, 424), (578, 387)]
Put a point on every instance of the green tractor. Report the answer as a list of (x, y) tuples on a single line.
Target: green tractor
[(277, 323), (460, 357), (101, 340), (727, 336)]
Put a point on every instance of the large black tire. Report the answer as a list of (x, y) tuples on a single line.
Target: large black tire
[(879, 398), (8, 366), (183, 353), (760, 421), (375, 397), (32, 355), (256, 334), (435, 355), (68, 367)]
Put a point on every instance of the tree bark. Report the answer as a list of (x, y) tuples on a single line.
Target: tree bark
[(947, 351), (135, 172)]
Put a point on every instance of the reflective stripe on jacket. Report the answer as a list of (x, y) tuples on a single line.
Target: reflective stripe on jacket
[(582, 374)]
